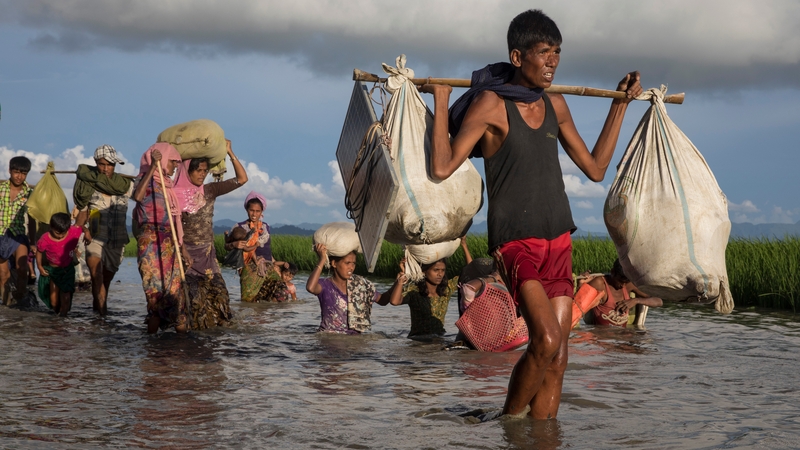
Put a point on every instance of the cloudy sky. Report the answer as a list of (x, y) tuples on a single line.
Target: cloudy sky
[(276, 76)]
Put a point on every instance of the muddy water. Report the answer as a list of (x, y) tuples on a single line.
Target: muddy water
[(695, 379)]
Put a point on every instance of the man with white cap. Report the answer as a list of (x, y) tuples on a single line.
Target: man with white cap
[(101, 197)]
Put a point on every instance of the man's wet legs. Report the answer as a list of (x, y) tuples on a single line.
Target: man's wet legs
[(538, 375)]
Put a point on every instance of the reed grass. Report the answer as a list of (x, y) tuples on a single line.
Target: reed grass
[(762, 272)]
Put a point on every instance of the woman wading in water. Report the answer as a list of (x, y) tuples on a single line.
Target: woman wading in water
[(259, 280), (207, 289), (158, 264)]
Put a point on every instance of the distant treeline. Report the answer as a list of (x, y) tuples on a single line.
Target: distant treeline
[(762, 272)]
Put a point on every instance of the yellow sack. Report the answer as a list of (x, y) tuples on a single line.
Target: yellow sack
[(200, 138), (47, 198)]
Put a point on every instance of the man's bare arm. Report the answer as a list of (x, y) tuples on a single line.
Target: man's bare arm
[(595, 164), (447, 157)]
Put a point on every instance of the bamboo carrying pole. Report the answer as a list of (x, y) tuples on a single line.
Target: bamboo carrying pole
[(130, 177), (360, 75), (186, 300)]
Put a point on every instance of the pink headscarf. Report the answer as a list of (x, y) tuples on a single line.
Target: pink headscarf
[(190, 196), (256, 195), (168, 153)]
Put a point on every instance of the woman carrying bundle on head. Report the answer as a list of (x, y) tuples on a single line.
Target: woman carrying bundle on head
[(345, 299), (428, 299), (207, 290), (259, 280), (158, 261)]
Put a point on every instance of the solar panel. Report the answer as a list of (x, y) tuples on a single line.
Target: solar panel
[(375, 180)]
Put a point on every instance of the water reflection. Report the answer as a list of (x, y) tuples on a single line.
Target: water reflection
[(181, 379)]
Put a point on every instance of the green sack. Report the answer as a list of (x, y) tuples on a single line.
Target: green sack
[(200, 138), (47, 198)]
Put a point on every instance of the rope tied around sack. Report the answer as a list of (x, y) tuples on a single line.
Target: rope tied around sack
[(366, 160)]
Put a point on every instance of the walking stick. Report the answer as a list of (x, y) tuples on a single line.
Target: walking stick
[(360, 75), (187, 302)]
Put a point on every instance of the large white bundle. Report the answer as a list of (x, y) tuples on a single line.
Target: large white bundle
[(426, 211), (667, 215), (416, 255), (340, 238)]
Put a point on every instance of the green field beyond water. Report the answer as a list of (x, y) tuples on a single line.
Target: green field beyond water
[(762, 272)]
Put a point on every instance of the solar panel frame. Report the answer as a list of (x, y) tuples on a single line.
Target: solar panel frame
[(383, 181)]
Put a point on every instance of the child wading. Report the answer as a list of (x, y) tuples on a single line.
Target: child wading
[(55, 258)]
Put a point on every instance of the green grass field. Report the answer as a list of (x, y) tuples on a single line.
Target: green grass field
[(762, 272)]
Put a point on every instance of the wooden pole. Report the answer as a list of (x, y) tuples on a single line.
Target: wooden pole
[(186, 300), (360, 75), (130, 177)]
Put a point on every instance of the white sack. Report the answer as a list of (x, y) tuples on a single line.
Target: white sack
[(417, 255), (340, 238), (667, 215), (426, 211)]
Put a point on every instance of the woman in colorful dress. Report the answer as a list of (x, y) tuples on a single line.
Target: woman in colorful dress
[(345, 299), (259, 279), (207, 290), (158, 262)]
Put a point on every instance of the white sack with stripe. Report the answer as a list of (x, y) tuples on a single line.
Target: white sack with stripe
[(667, 215), (426, 211)]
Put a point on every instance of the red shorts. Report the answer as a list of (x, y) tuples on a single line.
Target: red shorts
[(546, 261)]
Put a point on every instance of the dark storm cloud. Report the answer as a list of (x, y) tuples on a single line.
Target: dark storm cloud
[(718, 45)]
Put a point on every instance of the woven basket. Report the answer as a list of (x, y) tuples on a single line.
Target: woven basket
[(491, 323)]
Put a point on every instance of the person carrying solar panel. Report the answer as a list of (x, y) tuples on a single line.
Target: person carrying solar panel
[(510, 122)]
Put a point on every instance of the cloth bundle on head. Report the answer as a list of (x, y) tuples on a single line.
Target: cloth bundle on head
[(491, 78), (417, 255), (89, 179), (168, 153), (190, 196), (340, 238), (200, 138)]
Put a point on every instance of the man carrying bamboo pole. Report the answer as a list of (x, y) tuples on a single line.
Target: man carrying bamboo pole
[(101, 197), (515, 127)]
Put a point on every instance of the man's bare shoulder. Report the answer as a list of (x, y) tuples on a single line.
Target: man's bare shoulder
[(487, 102), (559, 102)]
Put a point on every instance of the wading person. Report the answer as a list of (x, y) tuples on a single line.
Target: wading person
[(517, 129), (428, 299), (55, 257), (101, 196), (158, 262), (207, 289), (258, 278), (345, 299), (15, 235), (616, 302)]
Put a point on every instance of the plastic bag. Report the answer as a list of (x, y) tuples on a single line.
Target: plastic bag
[(47, 198), (667, 215)]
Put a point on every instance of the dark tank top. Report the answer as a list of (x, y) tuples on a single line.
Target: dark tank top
[(524, 184)]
